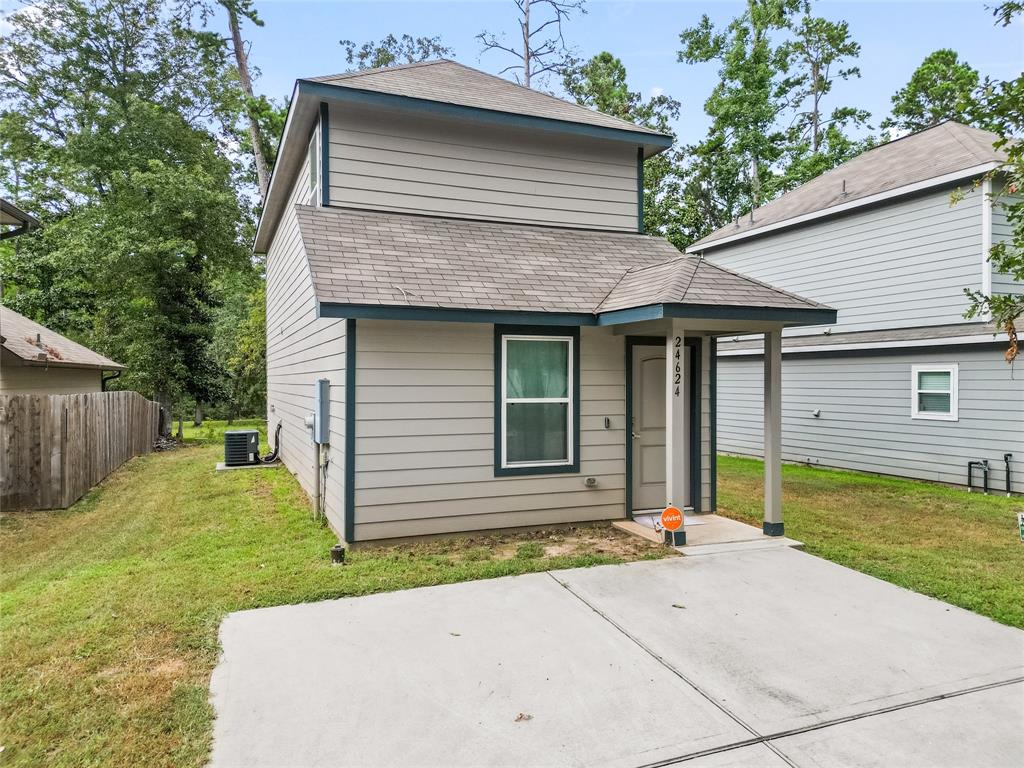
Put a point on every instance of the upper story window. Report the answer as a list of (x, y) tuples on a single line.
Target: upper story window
[(934, 392), (537, 424), (314, 167)]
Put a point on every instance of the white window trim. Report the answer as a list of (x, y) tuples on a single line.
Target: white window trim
[(954, 392), (568, 400), (314, 143)]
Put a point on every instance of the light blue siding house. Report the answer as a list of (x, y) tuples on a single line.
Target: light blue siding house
[(901, 384)]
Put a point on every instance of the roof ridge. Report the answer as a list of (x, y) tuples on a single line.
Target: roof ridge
[(350, 73), (553, 97), (689, 282), (354, 74)]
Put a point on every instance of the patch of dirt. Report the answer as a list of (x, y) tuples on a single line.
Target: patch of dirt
[(600, 539)]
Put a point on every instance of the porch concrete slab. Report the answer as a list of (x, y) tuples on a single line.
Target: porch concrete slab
[(785, 640), (769, 542), (985, 728), (507, 672)]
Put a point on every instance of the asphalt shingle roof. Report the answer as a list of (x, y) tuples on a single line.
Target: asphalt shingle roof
[(19, 336), (453, 83), (947, 148), (378, 258)]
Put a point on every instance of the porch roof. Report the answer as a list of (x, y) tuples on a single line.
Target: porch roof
[(382, 264)]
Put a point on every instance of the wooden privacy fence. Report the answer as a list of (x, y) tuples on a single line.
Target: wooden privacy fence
[(53, 448)]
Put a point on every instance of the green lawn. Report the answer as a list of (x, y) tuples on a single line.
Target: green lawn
[(108, 628), (959, 547)]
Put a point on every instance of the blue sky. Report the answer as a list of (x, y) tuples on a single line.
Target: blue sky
[(301, 37)]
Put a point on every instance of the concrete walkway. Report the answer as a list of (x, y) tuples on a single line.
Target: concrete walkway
[(767, 657)]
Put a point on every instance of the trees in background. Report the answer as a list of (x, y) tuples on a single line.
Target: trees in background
[(600, 83), (139, 137), (113, 112), (539, 48), (392, 50), (819, 137), (1002, 104), (942, 88)]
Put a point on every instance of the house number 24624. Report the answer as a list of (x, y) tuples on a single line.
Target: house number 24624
[(677, 358)]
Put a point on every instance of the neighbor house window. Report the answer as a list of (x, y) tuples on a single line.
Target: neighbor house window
[(536, 419), (934, 392)]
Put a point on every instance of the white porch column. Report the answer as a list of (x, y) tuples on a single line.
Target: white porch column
[(675, 432), (773, 433)]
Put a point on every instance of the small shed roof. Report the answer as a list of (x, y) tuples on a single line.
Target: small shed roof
[(382, 259), (446, 81), (947, 152), (38, 345)]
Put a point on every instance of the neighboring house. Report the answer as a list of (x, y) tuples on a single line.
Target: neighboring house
[(37, 361), (902, 384), (461, 260)]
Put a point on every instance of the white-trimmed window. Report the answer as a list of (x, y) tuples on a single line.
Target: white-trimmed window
[(313, 156), (536, 421), (934, 392)]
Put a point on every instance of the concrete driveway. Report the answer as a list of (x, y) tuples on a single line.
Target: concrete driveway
[(766, 658)]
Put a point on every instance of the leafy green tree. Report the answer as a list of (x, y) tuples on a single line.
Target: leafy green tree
[(600, 83), (731, 171), (392, 50), (1002, 106), (117, 111), (942, 88), (819, 139)]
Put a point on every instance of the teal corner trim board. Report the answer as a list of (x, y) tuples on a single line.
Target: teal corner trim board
[(694, 346), (350, 430), (713, 419), (658, 141), (325, 154), (499, 416), (640, 190)]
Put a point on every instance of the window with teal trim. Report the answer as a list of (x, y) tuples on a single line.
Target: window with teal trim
[(536, 402)]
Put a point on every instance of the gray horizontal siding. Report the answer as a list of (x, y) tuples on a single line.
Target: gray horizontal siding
[(901, 265), (424, 435), (865, 421), (426, 165), (302, 348), (1001, 230)]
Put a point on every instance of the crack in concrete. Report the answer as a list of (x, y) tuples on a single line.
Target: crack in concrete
[(758, 738)]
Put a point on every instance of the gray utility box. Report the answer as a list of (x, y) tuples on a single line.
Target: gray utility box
[(241, 447)]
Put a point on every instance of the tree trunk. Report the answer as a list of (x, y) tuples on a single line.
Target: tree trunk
[(165, 408), (197, 420), (816, 116), (262, 174)]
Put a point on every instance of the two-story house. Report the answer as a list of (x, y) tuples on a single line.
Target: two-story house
[(467, 327), (902, 384)]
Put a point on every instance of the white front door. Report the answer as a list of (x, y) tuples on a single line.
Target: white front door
[(648, 427)]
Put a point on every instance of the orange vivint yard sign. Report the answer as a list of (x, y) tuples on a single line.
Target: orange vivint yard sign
[(671, 519)]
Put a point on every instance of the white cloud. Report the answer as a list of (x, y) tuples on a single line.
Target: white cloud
[(656, 91)]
